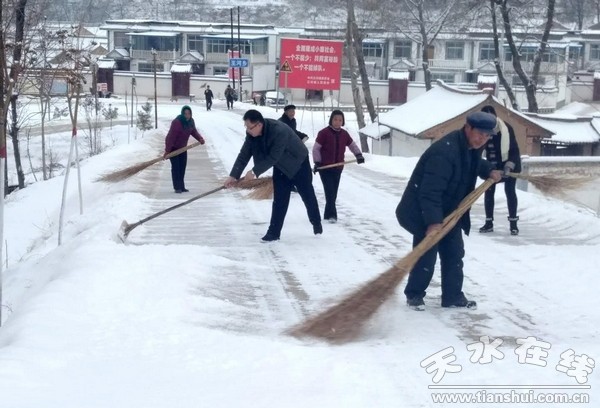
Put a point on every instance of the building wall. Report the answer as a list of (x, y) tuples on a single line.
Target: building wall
[(407, 146)]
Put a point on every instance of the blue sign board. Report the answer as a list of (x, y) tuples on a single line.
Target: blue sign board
[(238, 62)]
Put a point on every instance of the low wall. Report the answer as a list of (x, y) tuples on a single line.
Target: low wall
[(565, 168)]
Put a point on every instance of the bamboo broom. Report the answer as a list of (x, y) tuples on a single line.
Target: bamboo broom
[(550, 184), (126, 228), (264, 191), (127, 172), (344, 321)]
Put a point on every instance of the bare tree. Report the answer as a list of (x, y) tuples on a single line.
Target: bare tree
[(501, 77), (529, 81), (353, 77)]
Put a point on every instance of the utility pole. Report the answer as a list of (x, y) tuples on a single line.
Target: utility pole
[(155, 98), (132, 86), (241, 97)]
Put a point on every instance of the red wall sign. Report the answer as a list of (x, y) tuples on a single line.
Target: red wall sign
[(310, 64)]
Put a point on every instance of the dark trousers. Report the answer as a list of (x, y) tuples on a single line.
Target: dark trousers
[(208, 104), (510, 188), (178, 164), (282, 188), (451, 249), (331, 183), (229, 103)]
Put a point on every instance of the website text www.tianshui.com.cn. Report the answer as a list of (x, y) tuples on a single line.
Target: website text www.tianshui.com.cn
[(514, 397)]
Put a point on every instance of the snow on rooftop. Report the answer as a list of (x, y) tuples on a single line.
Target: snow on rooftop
[(398, 75), (487, 79), (375, 130), (569, 130), (107, 64), (430, 109), (181, 68)]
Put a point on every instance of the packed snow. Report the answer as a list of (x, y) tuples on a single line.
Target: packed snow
[(192, 310)]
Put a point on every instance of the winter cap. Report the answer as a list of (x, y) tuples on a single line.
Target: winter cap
[(186, 107), (288, 107), (482, 121)]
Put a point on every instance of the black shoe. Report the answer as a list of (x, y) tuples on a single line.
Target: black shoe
[(270, 237), (318, 228), (185, 190), (461, 302), (416, 303), (514, 230), (178, 191), (488, 226)]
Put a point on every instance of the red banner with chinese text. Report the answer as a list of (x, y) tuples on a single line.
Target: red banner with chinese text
[(310, 64)]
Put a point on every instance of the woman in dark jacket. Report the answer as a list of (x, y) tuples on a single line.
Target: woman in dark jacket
[(502, 151), (182, 128), (329, 148)]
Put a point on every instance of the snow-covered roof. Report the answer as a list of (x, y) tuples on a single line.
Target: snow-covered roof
[(154, 33), (192, 56), (398, 75), (569, 129), (487, 79), (186, 68), (107, 64), (375, 130), (430, 109)]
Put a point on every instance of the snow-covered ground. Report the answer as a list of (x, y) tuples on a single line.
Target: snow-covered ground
[(191, 312)]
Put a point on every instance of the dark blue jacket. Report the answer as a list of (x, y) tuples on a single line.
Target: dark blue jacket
[(444, 175), (278, 146)]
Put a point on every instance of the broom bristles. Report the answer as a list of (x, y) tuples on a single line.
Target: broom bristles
[(553, 185), (261, 188), (343, 322), (127, 172)]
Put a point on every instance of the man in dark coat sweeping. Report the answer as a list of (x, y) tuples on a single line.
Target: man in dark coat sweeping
[(271, 143), (444, 175), (182, 127)]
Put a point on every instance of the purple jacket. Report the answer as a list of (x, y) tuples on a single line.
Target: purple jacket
[(179, 134)]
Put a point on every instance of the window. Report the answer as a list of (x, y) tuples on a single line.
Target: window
[(372, 49), (403, 49), (121, 40), (158, 43), (486, 52), (218, 45), (149, 67), (444, 76), (551, 55), (574, 53), (455, 50), (595, 52), (219, 70), (195, 43), (260, 46), (516, 81)]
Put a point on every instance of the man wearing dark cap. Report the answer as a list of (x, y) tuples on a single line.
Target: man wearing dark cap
[(288, 117), (444, 175)]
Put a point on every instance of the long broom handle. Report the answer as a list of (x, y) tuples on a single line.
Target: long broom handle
[(449, 222), (158, 214), (329, 166), (180, 150)]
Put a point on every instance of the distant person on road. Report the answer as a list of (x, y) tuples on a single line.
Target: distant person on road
[(271, 143), (444, 175), (229, 94), (502, 151), (208, 95), (288, 117), (182, 127), (329, 148)]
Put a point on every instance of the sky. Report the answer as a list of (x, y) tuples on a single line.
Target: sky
[(192, 310)]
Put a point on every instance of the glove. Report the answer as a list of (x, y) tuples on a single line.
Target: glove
[(165, 155), (360, 159), (201, 141), (508, 168), (316, 168)]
